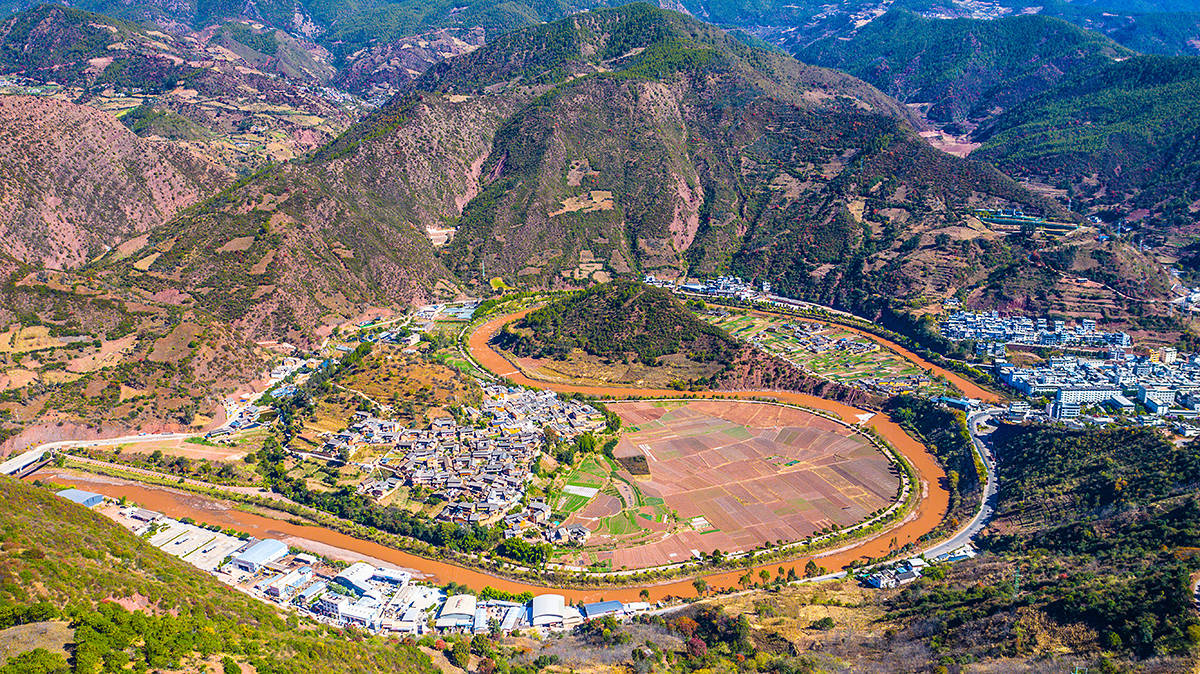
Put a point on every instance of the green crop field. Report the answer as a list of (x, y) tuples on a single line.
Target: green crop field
[(841, 366), (620, 525)]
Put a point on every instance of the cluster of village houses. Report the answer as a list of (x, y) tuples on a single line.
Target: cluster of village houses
[(908, 570), (992, 327), (480, 470), (808, 337)]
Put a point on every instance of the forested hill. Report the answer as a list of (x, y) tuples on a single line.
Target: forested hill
[(61, 561), (1129, 129), (1091, 551), (964, 70), (609, 144), (618, 320)]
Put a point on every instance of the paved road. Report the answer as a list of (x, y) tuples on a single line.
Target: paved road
[(41, 450), (988, 509)]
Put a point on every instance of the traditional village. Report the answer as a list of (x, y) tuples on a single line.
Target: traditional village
[(478, 471)]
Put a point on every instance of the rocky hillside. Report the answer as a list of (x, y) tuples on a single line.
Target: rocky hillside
[(75, 181), (238, 93), (382, 70)]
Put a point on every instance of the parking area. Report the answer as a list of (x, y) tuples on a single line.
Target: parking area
[(203, 548)]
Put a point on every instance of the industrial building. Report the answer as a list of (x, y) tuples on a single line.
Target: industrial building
[(260, 554), (86, 499), (285, 585), (551, 611), (459, 612), (358, 577), (602, 609)]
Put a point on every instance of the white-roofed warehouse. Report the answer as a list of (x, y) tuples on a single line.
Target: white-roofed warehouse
[(547, 610), (457, 613), (260, 554)]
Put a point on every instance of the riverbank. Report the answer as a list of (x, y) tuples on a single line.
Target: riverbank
[(923, 518)]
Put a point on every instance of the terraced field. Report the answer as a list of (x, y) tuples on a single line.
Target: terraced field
[(846, 357)]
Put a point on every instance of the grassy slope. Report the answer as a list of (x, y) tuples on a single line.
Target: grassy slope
[(57, 552)]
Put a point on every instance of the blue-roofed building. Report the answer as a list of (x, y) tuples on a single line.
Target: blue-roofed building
[(311, 593), (84, 498), (260, 554), (480, 624), (602, 608), (512, 617)]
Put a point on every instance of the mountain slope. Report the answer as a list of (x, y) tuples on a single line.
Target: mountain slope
[(303, 244), (74, 180), (60, 559), (213, 91), (662, 145), (965, 69), (614, 142), (1125, 135)]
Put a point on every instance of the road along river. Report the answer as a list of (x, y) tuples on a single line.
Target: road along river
[(924, 518)]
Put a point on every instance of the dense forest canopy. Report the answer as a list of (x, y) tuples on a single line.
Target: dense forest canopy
[(619, 320)]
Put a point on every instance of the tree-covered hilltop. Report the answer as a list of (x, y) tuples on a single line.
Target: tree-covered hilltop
[(648, 328), (1084, 473), (965, 69), (1091, 553), (64, 562), (619, 320)]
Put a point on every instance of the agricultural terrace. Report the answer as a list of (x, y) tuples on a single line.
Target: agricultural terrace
[(706, 475), (827, 350)]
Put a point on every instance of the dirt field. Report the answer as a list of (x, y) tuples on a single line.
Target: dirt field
[(741, 474)]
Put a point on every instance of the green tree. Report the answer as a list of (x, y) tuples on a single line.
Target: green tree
[(459, 654)]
